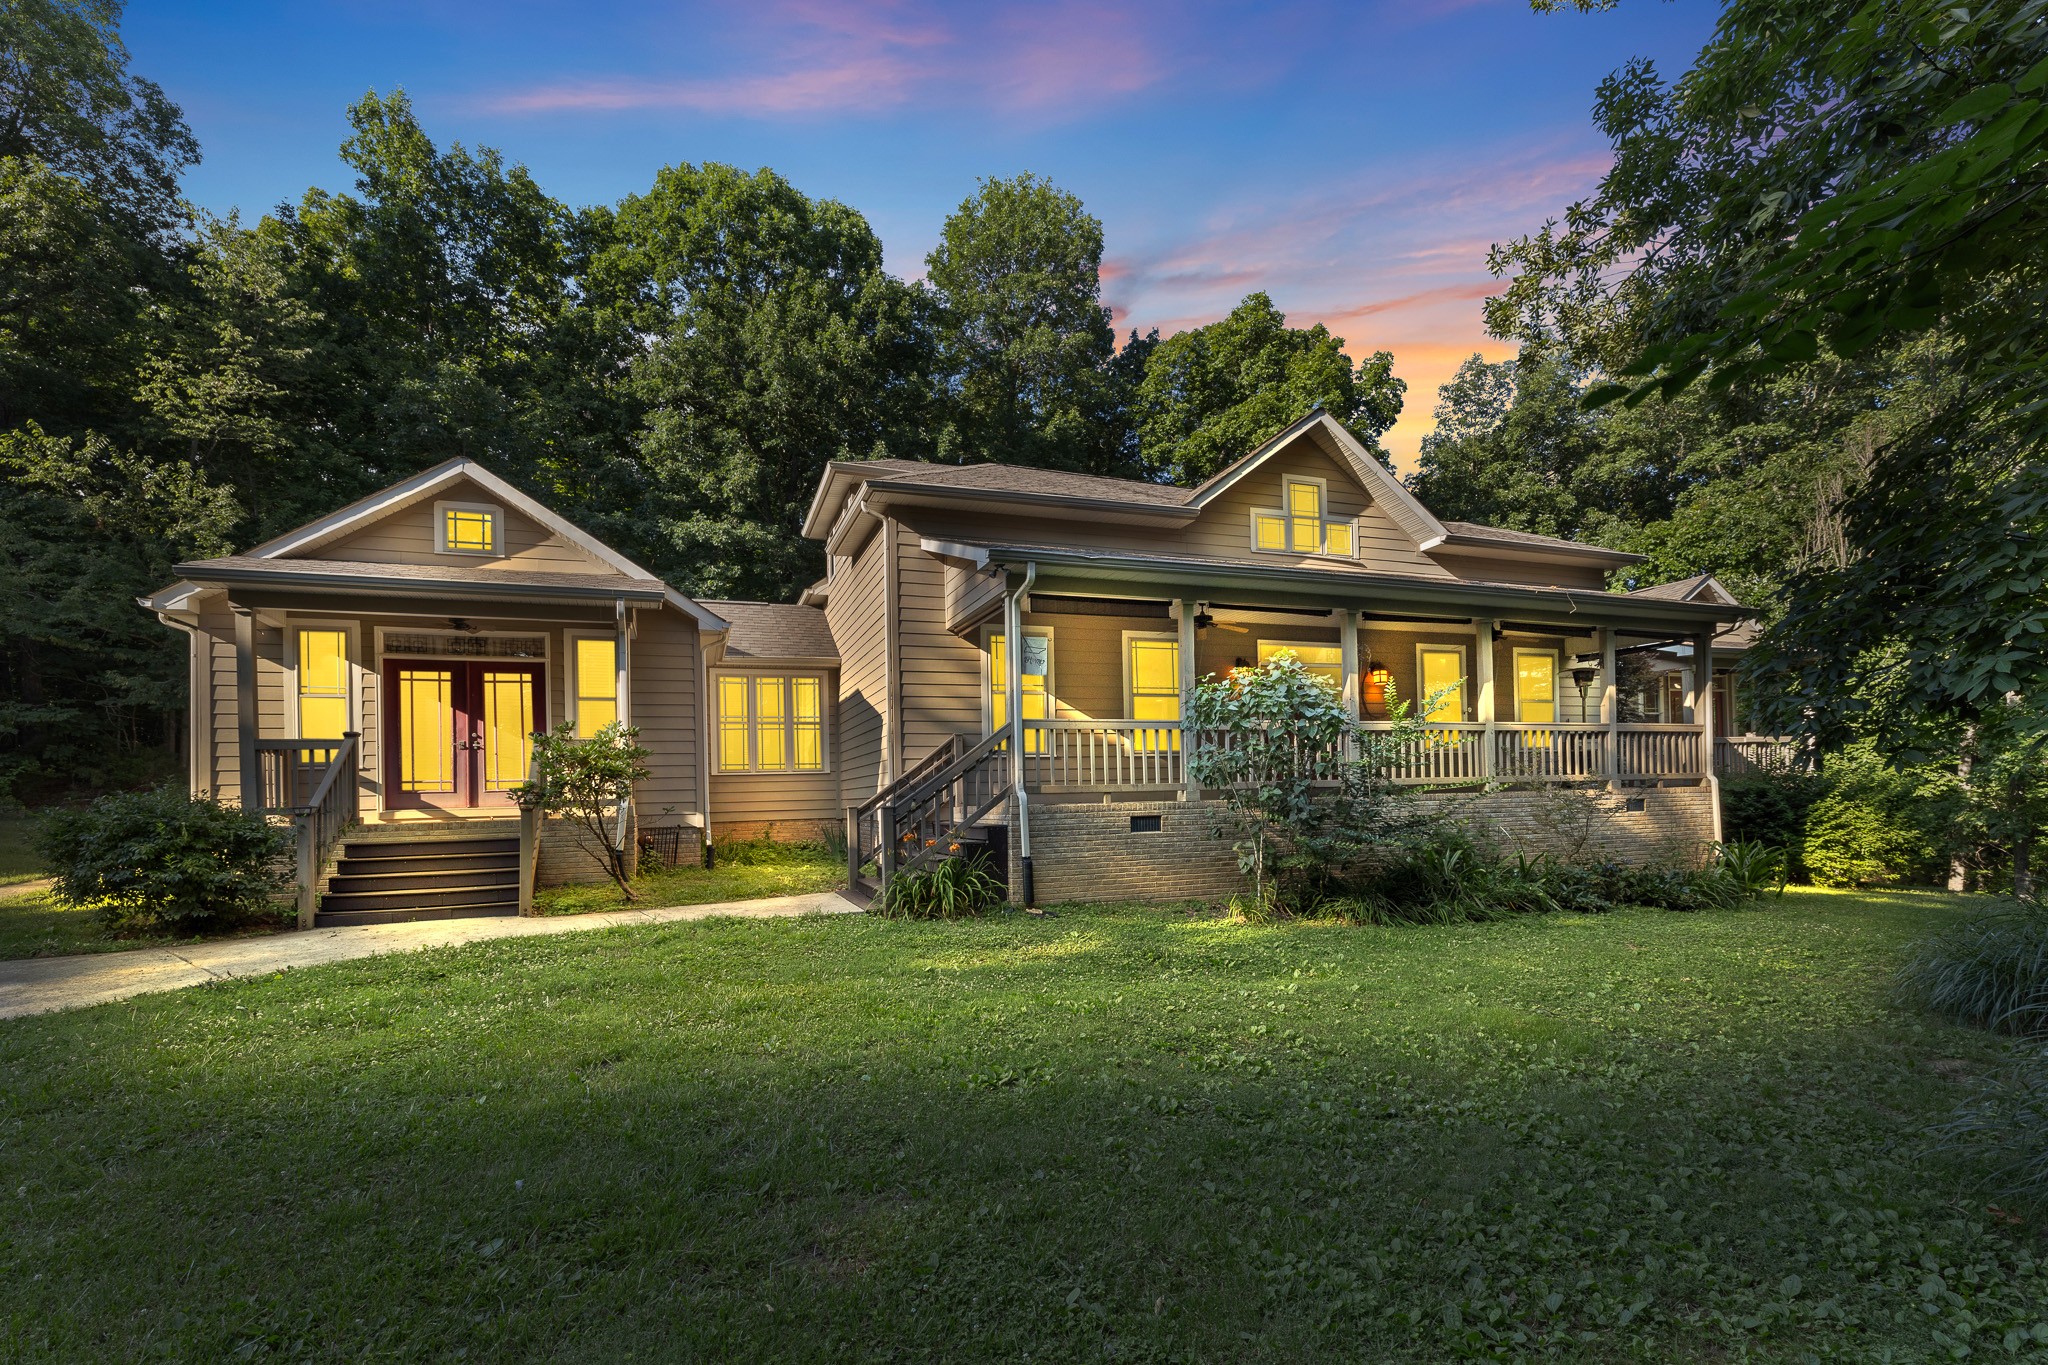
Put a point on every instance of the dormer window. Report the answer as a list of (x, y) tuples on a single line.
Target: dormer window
[(1302, 527), (469, 528)]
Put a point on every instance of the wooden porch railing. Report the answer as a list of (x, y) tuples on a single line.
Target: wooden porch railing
[(1744, 755), (1102, 755), (318, 824), (291, 769)]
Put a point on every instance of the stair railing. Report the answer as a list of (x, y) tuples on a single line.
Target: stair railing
[(319, 824), (928, 817), (867, 824)]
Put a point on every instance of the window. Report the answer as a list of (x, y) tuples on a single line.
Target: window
[(1536, 686), (595, 697), (1036, 683), (1152, 687), (323, 682), (1302, 527), (771, 724), (468, 528), (1442, 670), (1324, 661)]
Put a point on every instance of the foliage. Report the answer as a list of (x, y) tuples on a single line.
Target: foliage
[(1989, 972), (591, 782), (162, 860), (1211, 394), (1853, 841), (1024, 338), (1770, 808), (1753, 868), (2004, 1127), (953, 888), (1301, 782), (1843, 177)]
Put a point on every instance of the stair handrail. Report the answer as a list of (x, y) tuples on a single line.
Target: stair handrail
[(319, 824), (935, 786), (857, 850)]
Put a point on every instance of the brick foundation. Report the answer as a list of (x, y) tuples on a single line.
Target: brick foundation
[(1091, 853), (781, 831)]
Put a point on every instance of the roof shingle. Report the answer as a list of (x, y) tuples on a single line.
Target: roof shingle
[(774, 630)]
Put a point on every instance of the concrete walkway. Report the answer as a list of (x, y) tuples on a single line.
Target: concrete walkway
[(38, 985)]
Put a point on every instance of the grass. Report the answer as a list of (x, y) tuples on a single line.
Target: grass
[(1124, 1133), (744, 871)]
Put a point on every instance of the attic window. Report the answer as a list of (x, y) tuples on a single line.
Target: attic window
[(1302, 526), (468, 528)]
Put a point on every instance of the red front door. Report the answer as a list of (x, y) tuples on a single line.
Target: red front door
[(457, 732)]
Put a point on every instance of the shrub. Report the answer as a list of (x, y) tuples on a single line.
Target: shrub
[(954, 889), (2006, 1126), (1753, 868), (1852, 840), (1771, 809), (163, 860), (590, 781), (1990, 972)]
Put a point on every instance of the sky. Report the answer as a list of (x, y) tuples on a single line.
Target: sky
[(1353, 160)]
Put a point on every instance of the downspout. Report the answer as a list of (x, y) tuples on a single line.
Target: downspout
[(193, 785), (1013, 628)]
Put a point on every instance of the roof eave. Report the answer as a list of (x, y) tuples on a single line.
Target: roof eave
[(1595, 555), (373, 585)]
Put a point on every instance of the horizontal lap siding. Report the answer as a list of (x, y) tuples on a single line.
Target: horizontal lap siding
[(970, 595), (941, 684), (1088, 661), (786, 805), (1487, 569), (853, 611), (1223, 529), (663, 663), (407, 537), (1395, 651)]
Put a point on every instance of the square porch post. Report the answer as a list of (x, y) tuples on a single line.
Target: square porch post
[(1190, 789), (1482, 677), (1703, 716), (251, 797), (1610, 704), (1347, 637)]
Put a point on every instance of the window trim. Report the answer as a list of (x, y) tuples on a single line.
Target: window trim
[(988, 682), (1180, 671), (788, 677), (497, 515), (569, 671), (1556, 704), (1286, 519), (1298, 645), (352, 667), (1464, 677)]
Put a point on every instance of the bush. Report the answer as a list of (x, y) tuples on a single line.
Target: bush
[(1991, 972), (163, 860), (957, 888), (1770, 809), (2006, 1126), (1852, 840)]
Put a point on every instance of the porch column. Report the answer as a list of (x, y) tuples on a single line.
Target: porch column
[(1190, 789), (1347, 636), (251, 797), (622, 644), (1482, 679), (1703, 716), (1610, 704)]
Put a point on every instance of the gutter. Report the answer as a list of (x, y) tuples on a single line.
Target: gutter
[(1013, 629)]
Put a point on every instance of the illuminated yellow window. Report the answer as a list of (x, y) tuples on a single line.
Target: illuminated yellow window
[(469, 530), (1337, 538), (771, 724), (807, 721), (1305, 518), (597, 684), (1536, 686), (1443, 676), (1036, 684), (1324, 661), (323, 683), (1302, 526), (1270, 531)]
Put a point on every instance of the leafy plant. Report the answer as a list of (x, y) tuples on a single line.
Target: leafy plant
[(1752, 868), (1852, 841), (2006, 1125), (955, 888), (1990, 972), (591, 782), (162, 859)]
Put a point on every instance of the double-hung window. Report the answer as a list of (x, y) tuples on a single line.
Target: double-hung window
[(1303, 526), (594, 668), (1320, 661), (1442, 670), (771, 723), (1152, 686), (323, 682)]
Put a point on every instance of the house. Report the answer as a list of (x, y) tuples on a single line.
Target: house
[(421, 633)]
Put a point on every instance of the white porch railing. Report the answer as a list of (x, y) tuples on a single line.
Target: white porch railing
[(1743, 755), (1125, 755)]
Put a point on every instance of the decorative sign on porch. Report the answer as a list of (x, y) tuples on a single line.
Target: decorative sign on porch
[(469, 646), (1037, 656)]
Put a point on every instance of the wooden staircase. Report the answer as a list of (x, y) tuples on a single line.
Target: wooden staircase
[(919, 818), (390, 878)]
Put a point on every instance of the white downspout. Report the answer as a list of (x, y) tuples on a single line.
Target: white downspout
[(1013, 632)]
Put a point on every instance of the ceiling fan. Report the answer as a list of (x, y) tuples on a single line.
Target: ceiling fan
[(1204, 619)]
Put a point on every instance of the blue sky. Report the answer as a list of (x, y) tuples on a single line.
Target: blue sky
[(1354, 160)]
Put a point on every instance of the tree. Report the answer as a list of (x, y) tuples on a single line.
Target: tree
[(1025, 341), (1211, 394), (67, 100), (591, 782), (776, 343), (1853, 175)]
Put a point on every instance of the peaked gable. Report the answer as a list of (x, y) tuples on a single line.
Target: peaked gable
[(1373, 480)]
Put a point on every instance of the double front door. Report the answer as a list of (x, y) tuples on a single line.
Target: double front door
[(458, 732)]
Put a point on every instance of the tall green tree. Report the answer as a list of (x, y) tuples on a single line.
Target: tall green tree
[(775, 343), (1025, 341), (1212, 393), (1854, 175)]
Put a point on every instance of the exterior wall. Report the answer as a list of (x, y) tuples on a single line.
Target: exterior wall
[(854, 612), (1087, 852), (663, 663), (1543, 574), (940, 673), (407, 537), (786, 805), (1223, 530)]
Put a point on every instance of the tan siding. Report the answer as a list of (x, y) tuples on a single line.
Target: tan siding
[(941, 684), (1487, 569), (663, 665), (854, 613), (222, 756), (744, 805), (1224, 527), (970, 595), (1394, 649), (407, 537)]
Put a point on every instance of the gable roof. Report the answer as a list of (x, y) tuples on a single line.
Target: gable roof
[(1702, 587), (775, 630), (294, 545), (1407, 512)]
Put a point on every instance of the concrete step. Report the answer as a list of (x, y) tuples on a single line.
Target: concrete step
[(429, 879), (416, 898), (334, 918)]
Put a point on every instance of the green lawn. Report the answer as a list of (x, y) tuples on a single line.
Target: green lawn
[(1122, 1133), (745, 872)]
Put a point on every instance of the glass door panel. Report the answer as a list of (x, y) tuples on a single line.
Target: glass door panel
[(508, 726), (425, 771)]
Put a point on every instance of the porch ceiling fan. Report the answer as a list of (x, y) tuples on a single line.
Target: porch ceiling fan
[(1204, 619)]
